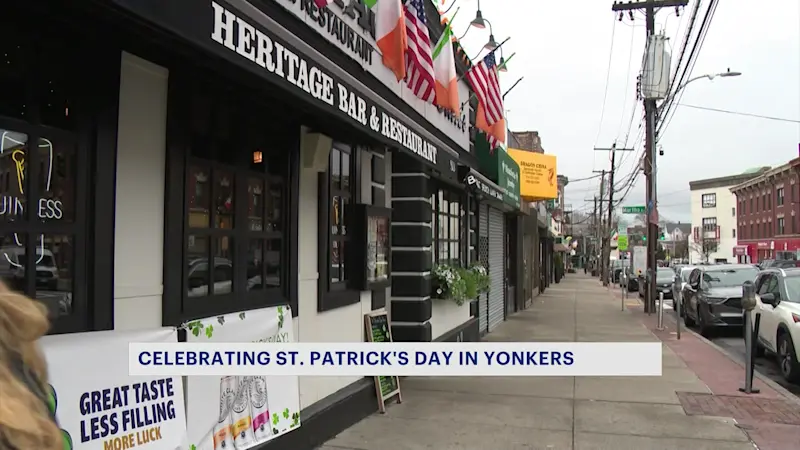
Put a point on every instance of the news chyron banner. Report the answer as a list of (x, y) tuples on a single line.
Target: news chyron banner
[(99, 406), (240, 412)]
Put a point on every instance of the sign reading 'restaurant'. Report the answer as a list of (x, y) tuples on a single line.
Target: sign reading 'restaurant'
[(239, 36)]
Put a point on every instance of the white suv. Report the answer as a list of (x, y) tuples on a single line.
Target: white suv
[(778, 301)]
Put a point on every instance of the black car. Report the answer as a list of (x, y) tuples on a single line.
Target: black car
[(713, 296), (664, 279)]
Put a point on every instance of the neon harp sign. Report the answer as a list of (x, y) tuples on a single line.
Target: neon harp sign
[(12, 144)]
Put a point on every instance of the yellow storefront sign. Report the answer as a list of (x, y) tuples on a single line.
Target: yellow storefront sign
[(538, 174)]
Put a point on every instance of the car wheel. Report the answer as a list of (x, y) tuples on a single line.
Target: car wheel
[(787, 358), (688, 321), (705, 329)]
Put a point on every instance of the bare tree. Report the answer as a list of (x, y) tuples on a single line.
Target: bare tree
[(681, 249), (705, 247)]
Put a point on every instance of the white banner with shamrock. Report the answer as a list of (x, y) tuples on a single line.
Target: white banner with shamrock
[(226, 413), (99, 405)]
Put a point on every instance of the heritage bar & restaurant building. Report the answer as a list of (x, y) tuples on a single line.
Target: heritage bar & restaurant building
[(196, 158)]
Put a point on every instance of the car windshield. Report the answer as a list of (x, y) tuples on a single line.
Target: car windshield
[(729, 277), (793, 288), (665, 273)]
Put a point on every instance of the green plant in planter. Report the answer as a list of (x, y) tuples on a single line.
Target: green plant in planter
[(449, 283), (481, 277)]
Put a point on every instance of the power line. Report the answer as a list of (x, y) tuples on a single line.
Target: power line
[(608, 77), (677, 95), (759, 116)]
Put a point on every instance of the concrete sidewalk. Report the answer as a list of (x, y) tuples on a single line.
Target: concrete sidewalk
[(553, 413)]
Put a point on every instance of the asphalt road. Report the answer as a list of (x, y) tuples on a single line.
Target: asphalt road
[(732, 341)]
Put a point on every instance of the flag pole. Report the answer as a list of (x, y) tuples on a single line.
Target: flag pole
[(512, 87), (496, 48)]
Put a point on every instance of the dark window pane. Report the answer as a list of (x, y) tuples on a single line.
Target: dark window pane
[(342, 259), (57, 181), (255, 265), (57, 90), (273, 261), (335, 168), (345, 203), (345, 171), (335, 256), (199, 196), (198, 276), (255, 203), (223, 194), (274, 205), (278, 164), (55, 261), (14, 71), (222, 276), (335, 215), (12, 261), (13, 169)]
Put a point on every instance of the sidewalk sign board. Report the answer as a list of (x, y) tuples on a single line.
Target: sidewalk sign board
[(99, 406), (241, 412), (378, 329)]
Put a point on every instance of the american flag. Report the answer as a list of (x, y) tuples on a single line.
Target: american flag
[(419, 62), (493, 142), (483, 79)]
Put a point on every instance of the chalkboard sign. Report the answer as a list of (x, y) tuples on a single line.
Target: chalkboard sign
[(378, 329)]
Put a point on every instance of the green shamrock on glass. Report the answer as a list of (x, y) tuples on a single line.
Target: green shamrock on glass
[(52, 405)]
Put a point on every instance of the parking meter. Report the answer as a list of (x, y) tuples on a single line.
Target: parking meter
[(750, 334), (748, 296)]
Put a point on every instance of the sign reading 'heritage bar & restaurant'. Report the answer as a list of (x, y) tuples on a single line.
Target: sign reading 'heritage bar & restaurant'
[(239, 36)]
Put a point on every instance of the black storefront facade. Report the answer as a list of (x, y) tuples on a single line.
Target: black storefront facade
[(191, 147)]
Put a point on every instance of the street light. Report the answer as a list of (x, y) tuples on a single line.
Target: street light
[(709, 76), (478, 21)]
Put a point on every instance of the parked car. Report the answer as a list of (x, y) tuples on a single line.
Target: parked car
[(766, 264), (778, 301), (679, 283), (784, 264), (713, 296), (633, 281), (664, 279), (617, 268)]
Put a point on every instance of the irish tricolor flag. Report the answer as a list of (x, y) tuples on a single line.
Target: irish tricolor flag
[(444, 71), (390, 34)]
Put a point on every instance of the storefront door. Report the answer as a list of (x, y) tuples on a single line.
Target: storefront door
[(497, 232)]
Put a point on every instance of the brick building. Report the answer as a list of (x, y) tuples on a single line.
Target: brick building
[(527, 140), (767, 215)]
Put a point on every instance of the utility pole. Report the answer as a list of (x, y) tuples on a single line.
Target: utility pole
[(606, 243), (650, 170), (600, 229)]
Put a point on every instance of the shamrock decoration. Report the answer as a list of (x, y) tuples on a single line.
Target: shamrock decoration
[(221, 320), (241, 316), (280, 316), (286, 413), (52, 405), (209, 331), (275, 431), (192, 447), (295, 420), (275, 419), (195, 327)]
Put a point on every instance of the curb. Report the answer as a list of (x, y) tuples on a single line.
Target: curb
[(735, 358)]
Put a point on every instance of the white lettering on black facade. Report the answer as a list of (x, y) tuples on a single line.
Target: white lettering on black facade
[(247, 41)]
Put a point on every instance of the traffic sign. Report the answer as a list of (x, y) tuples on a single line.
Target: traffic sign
[(622, 242), (633, 209)]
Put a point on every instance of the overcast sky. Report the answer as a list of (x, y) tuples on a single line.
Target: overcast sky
[(563, 55)]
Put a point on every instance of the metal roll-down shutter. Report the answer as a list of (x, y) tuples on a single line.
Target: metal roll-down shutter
[(483, 257), (497, 258)]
